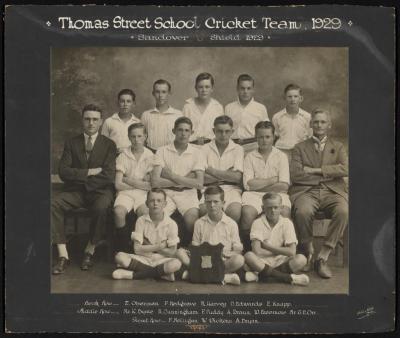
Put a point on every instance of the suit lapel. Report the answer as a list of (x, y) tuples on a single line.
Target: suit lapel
[(329, 150), (312, 154), (82, 150)]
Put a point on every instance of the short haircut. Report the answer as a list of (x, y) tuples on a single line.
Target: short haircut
[(92, 107), (161, 82), (183, 119), (244, 77), (156, 190), (127, 92), (321, 111), (204, 76), (264, 125), (137, 126), (292, 86), (215, 190), (271, 196), (223, 119)]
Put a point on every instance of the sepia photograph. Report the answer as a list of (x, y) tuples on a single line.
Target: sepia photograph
[(243, 148)]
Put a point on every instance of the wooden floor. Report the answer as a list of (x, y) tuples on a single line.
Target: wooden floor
[(98, 280)]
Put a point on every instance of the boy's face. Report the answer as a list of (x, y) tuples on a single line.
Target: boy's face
[(137, 136), (245, 90), (126, 103), (293, 98), (204, 89), (320, 125), (156, 202), (223, 133), (91, 121), (161, 94), (214, 204), (182, 133), (265, 138), (272, 209)]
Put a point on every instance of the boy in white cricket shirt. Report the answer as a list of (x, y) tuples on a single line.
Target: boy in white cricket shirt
[(155, 242), (274, 242)]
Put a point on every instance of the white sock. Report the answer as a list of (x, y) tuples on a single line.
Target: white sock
[(62, 250), (90, 248)]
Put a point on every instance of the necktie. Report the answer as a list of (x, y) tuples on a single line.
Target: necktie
[(89, 146)]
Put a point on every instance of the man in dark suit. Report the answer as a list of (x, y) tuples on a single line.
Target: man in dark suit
[(87, 168), (317, 169)]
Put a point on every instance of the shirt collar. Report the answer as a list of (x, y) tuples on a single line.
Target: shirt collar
[(273, 152), (165, 221), (94, 137), (316, 139), (168, 111), (128, 152), (231, 146), (250, 102), (189, 150), (116, 117), (266, 223), (224, 219)]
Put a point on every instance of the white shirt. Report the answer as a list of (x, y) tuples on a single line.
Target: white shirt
[(131, 167), (165, 230), (182, 164), (225, 232), (93, 138), (117, 130), (291, 129), (255, 166), (203, 122), (246, 117), (159, 126), (282, 234), (320, 144), (231, 158)]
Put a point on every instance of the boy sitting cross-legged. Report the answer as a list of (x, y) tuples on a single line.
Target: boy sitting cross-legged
[(273, 242), (155, 241), (215, 228)]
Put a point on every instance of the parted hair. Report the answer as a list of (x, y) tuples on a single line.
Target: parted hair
[(204, 76), (127, 91), (264, 125), (215, 190), (223, 119), (156, 190), (138, 125), (92, 107), (162, 81), (244, 77)]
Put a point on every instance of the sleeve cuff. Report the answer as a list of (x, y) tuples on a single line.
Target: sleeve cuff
[(173, 241)]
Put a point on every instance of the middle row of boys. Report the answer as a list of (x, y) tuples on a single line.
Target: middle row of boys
[(180, 169)]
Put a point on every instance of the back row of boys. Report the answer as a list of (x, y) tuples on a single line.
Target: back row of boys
[(181, 169), (292, 124)]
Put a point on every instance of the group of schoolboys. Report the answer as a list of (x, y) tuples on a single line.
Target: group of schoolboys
[(202, 152)]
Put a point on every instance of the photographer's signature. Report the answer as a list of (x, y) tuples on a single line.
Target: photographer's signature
[(369, 311)]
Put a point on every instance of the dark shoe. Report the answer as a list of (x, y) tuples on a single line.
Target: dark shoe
[(61, 266), (87, 262), (310, 263), (322, 269)]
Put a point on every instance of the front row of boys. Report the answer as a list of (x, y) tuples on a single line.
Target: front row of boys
[(155, 241)]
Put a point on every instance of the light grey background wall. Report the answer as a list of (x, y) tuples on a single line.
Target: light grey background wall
[(95, 75)]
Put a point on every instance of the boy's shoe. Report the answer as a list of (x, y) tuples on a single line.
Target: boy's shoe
[(170, 277), (251, 276), (185, 275), (232, 278), (310, 263), (122, 274), (302, 280)]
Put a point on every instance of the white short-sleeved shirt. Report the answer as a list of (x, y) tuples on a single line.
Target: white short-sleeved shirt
[(166, 230), (203, 122), (246, 117), (182, 164), (232, 157), (117, 130), (282, 234), (159, 126), (131, 167), (291, 129), (225, 232), (255, 166)]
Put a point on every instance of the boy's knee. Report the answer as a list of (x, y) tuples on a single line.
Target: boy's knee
[(119, 257), (298, 262), (249, 256), (237, 261)]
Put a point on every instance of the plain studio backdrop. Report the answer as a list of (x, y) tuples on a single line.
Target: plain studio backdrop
[(95, 75)]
